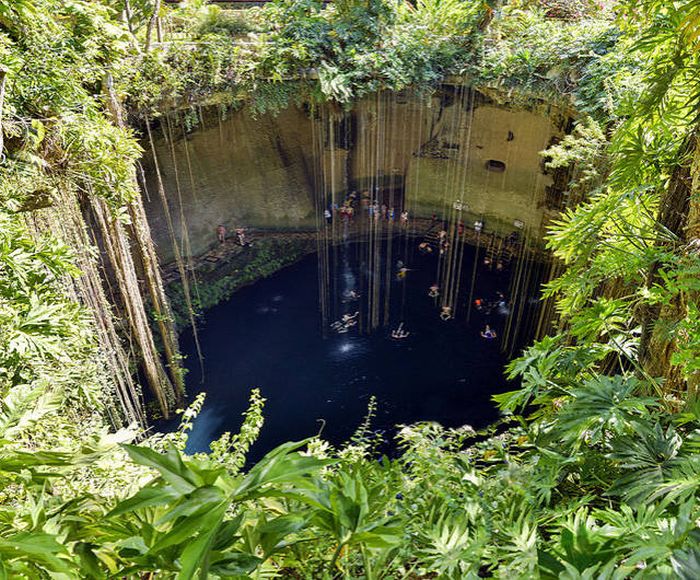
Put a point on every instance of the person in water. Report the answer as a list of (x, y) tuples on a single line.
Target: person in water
[(347, 318), (487, 333), (434, 291), (399, 333), (345, 323), (329, 216), (351, 296), (446, 313), (424, 248)]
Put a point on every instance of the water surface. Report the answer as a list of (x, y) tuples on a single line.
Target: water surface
[(270, 335)]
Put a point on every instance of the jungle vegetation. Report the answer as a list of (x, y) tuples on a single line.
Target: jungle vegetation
[(594, 469)]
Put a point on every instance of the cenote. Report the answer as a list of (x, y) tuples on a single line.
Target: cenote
[(272, 335)]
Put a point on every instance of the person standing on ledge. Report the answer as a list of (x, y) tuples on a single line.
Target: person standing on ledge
[(221, 233)]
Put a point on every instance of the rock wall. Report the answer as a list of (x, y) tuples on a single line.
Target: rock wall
[(422, 154)]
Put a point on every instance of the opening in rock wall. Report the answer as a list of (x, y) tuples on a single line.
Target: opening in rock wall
[(495, 166)]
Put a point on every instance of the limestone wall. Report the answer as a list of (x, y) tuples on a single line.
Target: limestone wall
[(246, 172), (419, 153), (489, 134)]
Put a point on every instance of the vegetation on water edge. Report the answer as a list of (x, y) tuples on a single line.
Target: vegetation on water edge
[(217, 282), (595, 470)]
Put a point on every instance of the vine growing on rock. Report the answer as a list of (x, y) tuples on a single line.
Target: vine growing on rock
[(62, 142)]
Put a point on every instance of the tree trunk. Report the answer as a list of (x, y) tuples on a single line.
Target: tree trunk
[(692, 235), (656, 347)]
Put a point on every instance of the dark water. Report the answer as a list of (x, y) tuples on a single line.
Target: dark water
[(269, 335)]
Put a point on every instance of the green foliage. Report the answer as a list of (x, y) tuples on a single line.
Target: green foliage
[(47, 349), (342, 51), (262, 259), (516, 504), (530, 56), (231, 450), (57, 134), (600, 479)]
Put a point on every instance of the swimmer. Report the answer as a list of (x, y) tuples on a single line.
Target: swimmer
[(488, 333), (399, 333), (401, 274), (478, 226), (349, 317), (424, 248), (446, 313), (479, 304), (350, 296), (434, 291), (345, 323)]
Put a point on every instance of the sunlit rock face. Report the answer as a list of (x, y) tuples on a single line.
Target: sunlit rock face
[(422, 154)]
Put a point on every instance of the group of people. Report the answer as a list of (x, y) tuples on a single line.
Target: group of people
[(499, 303), (443, 243), (376, 212), (241, 239), (485, 307)]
